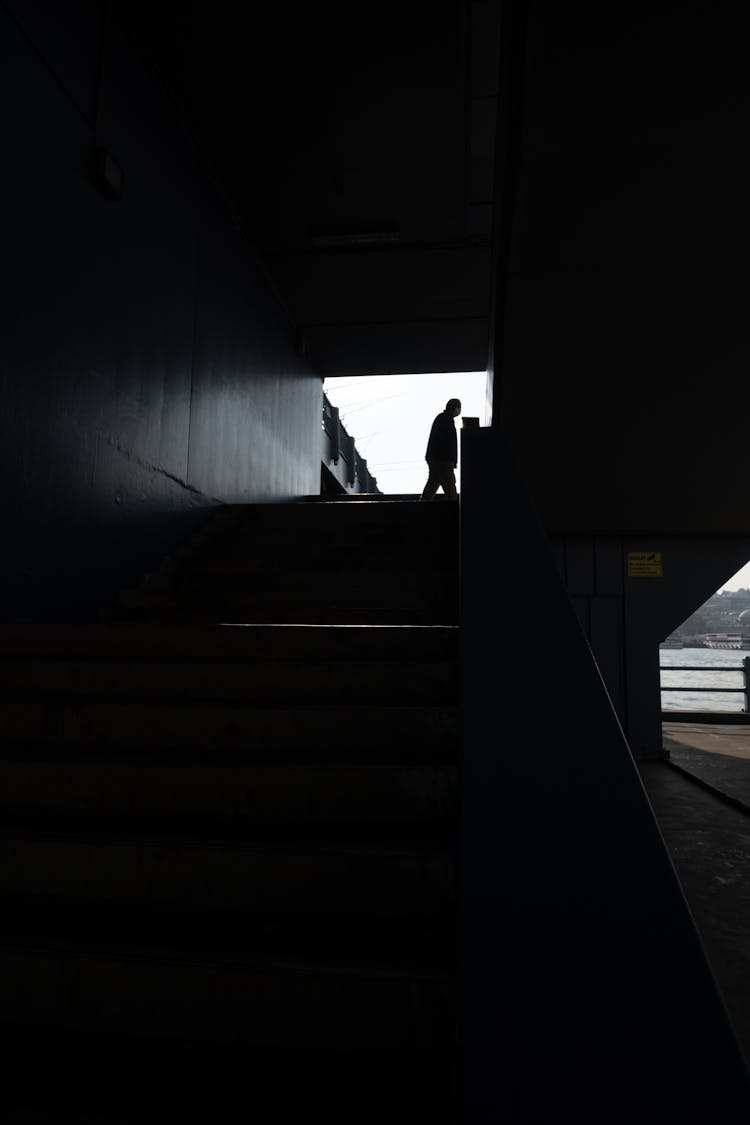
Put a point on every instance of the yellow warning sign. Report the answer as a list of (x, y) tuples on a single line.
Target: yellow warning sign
[(645, 564)]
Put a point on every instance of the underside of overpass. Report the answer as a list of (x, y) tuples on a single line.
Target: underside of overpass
[(210, 208)]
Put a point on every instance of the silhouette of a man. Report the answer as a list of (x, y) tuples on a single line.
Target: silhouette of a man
[(442, 453)]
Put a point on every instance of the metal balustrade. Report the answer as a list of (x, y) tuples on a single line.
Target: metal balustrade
[(340, 455), (706, 689)]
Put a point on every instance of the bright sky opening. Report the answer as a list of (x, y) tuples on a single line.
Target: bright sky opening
[(738, 581), (389, 417)]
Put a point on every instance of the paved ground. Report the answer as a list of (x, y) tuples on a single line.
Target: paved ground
[(701, 800), (717, 755), (715, 738)]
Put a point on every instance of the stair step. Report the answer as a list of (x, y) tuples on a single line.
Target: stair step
[(406, 948), (227, 643), (227, 725), (238, 793), (334, 515), (282, 538), (370, 497), (405, 681), (243, 554), (303, 586), (385, 833), (222, 1002), (138, 606), (262, 681), (318, 597), (225, 875), (353, 513), (145, 753), (98, 1077)]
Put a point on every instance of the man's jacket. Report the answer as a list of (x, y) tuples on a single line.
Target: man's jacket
[(443, 443)]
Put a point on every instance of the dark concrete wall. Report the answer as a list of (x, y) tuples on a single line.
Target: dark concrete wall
[(147, 369), (621, 357), (624, 388), (583, 983)]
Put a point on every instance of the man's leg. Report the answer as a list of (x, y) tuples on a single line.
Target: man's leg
[(433, 483), (448, 481)]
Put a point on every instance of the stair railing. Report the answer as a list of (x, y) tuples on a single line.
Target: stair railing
[(339, 451)]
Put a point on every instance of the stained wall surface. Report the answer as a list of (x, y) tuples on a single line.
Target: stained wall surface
[(147, 369)]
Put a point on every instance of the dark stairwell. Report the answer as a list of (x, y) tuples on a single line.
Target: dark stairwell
[(229, 827)]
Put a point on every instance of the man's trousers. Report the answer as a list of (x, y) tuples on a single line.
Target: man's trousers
[(442, 475)]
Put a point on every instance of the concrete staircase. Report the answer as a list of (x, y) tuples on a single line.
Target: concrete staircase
[(229, 849), (350, 562)]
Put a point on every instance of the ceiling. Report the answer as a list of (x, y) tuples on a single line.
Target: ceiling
[(357, 145)]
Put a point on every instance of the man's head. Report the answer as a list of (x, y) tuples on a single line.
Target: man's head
[(453, 407)]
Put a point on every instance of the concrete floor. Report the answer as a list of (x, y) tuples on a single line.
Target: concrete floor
[(701, 800)]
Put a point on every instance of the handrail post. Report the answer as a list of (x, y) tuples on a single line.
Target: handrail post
[(746, 670), (341, 446), (336, 435), (351, 475)]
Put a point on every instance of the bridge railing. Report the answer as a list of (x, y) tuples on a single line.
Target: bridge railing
[(340, 455)]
